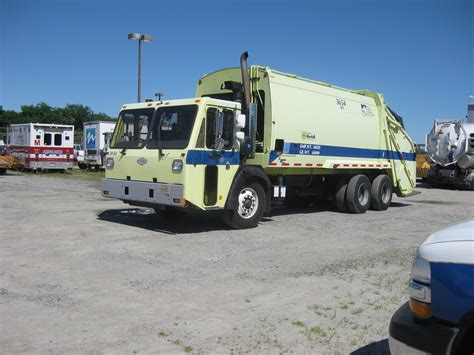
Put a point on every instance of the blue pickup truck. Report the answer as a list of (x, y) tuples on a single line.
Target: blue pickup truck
[(439, 317)]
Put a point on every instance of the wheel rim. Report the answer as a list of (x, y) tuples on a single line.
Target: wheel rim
[(385, 193), (248, 203), (363, 194)]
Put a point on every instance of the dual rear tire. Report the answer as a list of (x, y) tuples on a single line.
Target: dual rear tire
[(357, 194)]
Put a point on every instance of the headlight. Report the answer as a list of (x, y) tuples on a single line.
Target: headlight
[(420, 289), (421, 271), (177, 166), (109, 163)]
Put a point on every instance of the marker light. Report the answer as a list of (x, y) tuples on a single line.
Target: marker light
[(177, 166), (109, 163), (419, 309)]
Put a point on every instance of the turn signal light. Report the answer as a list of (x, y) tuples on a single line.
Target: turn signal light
[(420, 309)]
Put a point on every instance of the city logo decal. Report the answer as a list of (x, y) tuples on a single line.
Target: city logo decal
[(142, 161)]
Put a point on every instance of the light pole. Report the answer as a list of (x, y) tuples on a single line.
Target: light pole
[(139, 37)]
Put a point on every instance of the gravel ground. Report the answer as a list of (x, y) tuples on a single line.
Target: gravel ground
[(81, 273)]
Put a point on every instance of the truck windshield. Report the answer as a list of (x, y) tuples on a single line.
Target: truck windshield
[(172, 127), (132, 128)]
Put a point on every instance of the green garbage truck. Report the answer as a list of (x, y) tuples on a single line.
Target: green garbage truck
[(255, 136)]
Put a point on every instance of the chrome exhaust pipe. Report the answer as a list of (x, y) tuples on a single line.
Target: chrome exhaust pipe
[(245, 78)]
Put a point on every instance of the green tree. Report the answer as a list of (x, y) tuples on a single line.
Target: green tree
[(72, 114)]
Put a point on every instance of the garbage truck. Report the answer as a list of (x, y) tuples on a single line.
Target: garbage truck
[(450, 147), (254, 137)]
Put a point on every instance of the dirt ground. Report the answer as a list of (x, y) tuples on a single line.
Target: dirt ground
[(81, 273)]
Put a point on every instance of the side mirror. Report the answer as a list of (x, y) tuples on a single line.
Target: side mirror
[(218, 130), (240, 121), (219, 124)]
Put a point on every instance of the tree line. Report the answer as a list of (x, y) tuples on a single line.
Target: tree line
[(71, 114)]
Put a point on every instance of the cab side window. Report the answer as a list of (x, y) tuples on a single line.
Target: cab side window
[(227, 128)]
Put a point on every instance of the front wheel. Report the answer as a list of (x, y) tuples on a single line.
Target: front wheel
[(250, 207)]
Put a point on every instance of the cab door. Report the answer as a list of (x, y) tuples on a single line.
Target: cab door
[(222, 155)]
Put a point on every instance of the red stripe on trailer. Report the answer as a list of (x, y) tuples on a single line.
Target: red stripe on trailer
[(308, 164), (371, 165), (336, 165), (297, 164), (346, 164), (272, 164), (378, 165), (319, 164), (41, 150), (285, 164), (354, 164), (385, 165), (48, 159)]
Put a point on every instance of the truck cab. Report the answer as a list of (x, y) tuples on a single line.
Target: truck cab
[(174, 154)]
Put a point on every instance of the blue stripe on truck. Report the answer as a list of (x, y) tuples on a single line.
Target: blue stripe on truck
[(334, 151), (209, 157)]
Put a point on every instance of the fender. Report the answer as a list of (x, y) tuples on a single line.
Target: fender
[(246, 173)]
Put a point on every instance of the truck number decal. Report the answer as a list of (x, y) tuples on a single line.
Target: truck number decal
[(309, 149), (341, 103)]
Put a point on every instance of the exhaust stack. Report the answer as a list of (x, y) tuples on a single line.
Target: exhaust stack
[(248, 148), (245, 77)]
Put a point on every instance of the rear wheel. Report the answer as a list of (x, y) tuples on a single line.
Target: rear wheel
[(250, 207), (340, 195), (381, 193), (358, 194)]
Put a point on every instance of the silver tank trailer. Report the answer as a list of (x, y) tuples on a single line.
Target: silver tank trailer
[(451, 142), (450, 146)]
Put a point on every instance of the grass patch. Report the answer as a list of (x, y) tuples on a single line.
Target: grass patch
[(299, 324), (74, 174), (318, 331), (188, 349)]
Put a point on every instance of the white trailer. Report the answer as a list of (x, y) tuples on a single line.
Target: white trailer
[(95, 142), (42, 146)]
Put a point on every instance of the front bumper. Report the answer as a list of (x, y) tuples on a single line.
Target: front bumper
[(407, 336), (149, 193)]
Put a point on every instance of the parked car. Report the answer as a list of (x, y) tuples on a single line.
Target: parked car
[(79, 156), (3, 150), (439, 317)]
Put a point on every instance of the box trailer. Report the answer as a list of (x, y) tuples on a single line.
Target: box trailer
[(254, 136), (95, 142), (41, 146)]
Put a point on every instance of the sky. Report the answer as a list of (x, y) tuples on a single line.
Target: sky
[(418, 53)]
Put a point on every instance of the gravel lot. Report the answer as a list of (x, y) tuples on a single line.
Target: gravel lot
[(81, 273)]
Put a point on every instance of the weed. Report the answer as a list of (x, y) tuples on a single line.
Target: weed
[(318, 331), (187, 349), (299, 323)]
